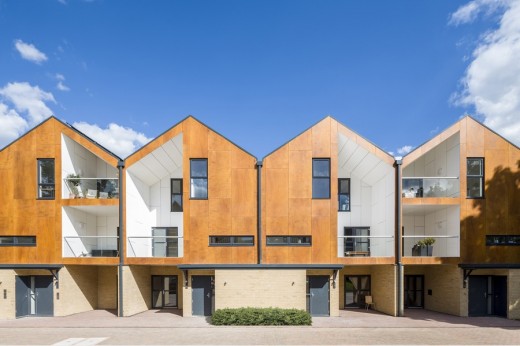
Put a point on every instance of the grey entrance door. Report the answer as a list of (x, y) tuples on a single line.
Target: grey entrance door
[(201, 295), (478, 296), (34, 296), (318, 293)]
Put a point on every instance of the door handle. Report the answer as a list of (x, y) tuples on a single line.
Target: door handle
[(207, 295)]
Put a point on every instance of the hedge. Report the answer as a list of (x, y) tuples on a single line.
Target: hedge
[(261, 317)]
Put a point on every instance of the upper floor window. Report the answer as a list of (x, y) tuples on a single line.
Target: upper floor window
[(344, 194), (219, 240), (274, 240), (176, 189), (496, 240), (165, 242), (10, 240), (321, 178), (357, 241), (475, 177), (199, 178), (46, 184)]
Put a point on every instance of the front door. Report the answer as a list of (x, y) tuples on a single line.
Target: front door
[(413, 291), (164, 291), (34, 296), (357, 287), (201, 295), (500, 296), (478, 296), (318, 295), (487, 295)]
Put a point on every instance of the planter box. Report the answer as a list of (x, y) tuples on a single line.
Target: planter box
[(422, 250)]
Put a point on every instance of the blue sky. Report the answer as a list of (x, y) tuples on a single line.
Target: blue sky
[(259, 72)]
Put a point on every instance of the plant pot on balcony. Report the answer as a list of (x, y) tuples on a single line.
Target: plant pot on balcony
[(423, 247)]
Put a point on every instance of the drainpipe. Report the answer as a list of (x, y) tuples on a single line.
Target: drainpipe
[(399, 239), (259, 165), (120, 166)]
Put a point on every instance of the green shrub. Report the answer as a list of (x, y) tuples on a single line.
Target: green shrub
[(261, 317)]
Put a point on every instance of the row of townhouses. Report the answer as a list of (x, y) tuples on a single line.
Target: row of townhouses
[(327, 221)]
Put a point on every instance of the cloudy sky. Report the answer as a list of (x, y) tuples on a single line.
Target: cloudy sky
[(259, 72)]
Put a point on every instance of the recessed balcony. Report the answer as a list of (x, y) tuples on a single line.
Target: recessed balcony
[(431, 187), (91, 188)]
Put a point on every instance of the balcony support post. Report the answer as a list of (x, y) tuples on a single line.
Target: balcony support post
[(120, 166), (259, 211), (398, 238)]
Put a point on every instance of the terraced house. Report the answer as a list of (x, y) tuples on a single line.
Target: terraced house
[(327, 221)]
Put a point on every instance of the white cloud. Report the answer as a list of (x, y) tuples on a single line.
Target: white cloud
[(491, 83), (29, 99), (121, 140), (469, 12), (61, 85), (13, 125), (30, 52), (404, 150)]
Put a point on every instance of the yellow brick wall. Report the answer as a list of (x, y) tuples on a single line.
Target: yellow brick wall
[(107, 287), (78, 290), (137, 289), (448, 295), (383, 285), (513, 299), (8, 304)]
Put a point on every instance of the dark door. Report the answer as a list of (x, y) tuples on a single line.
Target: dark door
[(478, 296), (357, 287), (500, 296), (34, 296), (164, 291), (413, 291), (201, 295), (318, 293)]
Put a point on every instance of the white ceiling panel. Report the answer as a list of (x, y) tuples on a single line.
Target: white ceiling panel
[(165, 160)]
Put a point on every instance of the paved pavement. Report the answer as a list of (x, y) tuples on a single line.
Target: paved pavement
[(167, 327)]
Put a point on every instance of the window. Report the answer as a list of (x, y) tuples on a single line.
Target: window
[(503, 240), (274, 240), (475, 177), (199, 178), (10, 240), (357, 241), (321, 178), (176, 187), (46, 178), (344, 194), (218, 240), (165, 242), (357, 287)]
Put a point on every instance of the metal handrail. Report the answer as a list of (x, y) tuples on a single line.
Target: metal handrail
[(150, 237), (84, 236)]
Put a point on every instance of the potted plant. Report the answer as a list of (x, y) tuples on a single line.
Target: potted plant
[(423, 247), (73, 181)]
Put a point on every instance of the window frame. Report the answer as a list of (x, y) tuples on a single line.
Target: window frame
[(359, 292), (314, 177), (167, 241), (482, 180), (356, 241), (16, 242), (343, 194), (192, 177), (176, 194), (39, 184), (232, 240), (287, 241), (505, 242)]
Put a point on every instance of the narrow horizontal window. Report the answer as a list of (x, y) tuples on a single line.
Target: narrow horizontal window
[(17, 241), (289, 240), (503, 240), (224, 240)]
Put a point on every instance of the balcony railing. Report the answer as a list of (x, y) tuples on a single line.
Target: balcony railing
[(92, 246), (366, 246), (155, 246), (444, 246), (419, 187), (92, 187)]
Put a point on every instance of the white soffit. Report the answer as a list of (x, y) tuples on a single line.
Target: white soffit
[(422, 210), (355, 160), (159, 163), (98, 210)]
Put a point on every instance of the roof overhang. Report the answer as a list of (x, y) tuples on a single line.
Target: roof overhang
[(32, 266)]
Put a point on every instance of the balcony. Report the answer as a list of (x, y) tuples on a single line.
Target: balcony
[(443, 246), (365, 246), (92, 188), (91, 246), (155, 246), (431, 187)]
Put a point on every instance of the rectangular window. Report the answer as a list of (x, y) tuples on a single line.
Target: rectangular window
[(176, 189), (357, 287), (503, 240), (321, 178), (344, 194), (475, 177), (9, 240), (357, 241), (199, 178), (274, 240), (165, 242), (240, 240), (46, 184)]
